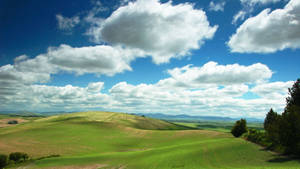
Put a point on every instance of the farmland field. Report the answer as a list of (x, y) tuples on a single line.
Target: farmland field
[(119, 140)]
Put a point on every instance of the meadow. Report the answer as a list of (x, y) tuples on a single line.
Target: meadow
[(222, 126), (118, 140)]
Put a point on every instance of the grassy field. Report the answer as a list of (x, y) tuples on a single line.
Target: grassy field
[(218, 125), (116, 140)]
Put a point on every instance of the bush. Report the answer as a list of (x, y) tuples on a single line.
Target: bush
[(3, 160), (12, 122), (239, 128), (18, 156), (257, 137)]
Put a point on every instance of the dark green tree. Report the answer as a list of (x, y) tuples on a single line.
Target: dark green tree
[(270, 118), (239, 128), (12, 122), (3, 160), (25, 156), (290, 130), (290, 122), (294, 98), (18, 156), (272, 126)]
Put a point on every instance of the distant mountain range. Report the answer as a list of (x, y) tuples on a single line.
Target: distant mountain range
[(184, 117), (180, 117), (28, 113)]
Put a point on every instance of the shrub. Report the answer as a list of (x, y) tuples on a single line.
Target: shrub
[(18, 156), (257, 137), (239, 128), (12, 122), (3, 160)]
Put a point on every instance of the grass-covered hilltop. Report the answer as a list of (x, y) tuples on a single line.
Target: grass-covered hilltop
[(117, 140)]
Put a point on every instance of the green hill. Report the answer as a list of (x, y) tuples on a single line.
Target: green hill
[(118, 140)]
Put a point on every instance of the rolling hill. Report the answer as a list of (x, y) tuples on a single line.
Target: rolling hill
[(119, 140)]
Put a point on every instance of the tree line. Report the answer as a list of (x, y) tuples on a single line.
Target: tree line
[(13, 158), (282, 131)]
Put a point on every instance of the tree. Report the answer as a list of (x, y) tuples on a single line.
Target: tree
[(272, 126), (18, 156), (290, 122), (294, 98), (25, 156), (239, 128), (270, 118), (290, 130), (3, 160), (12, 122)]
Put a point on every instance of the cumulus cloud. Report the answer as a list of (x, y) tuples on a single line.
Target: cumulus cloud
[(95, 87), (273, 90), (226, 101), (20, 58), (10, 74), (65, 23), (189, 89), (269, 31), (49, 98), (99, 60), (161, 30), (212, 73), (217, 6)]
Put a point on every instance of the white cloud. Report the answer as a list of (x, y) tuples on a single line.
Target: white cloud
[(43, 97), (99, 60), (10, 74), (227, 101), (239, 16), (65, 23), (162, 30), (269, 31), (248, 8), (204, 90), (20, 58), (217, 6), (255, 2), (95, 87), (212, 73), (273, 90), (91, 17)]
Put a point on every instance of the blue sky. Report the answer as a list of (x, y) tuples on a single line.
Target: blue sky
[(218, 58)]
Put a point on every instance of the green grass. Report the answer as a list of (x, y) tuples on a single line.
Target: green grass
[(218, 126), (122, 140)]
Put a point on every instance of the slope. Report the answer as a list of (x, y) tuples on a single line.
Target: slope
[(117, 140)]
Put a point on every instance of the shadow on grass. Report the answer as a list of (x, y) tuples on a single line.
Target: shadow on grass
[(280, 158), (283, 159)]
